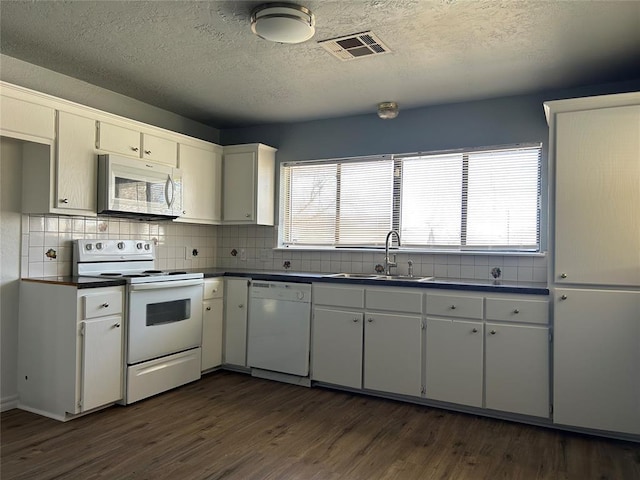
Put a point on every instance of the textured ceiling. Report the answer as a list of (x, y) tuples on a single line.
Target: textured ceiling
[(200, 59)]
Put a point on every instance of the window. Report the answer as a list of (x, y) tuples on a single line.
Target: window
[(475, 200)]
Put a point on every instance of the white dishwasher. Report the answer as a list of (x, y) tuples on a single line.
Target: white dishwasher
[(279, 327)]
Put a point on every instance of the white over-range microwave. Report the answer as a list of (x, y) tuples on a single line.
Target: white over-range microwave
[(132, 187)]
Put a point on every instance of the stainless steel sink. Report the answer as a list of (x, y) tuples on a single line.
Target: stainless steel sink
[(352, 275), (405, 278), (369, 276)]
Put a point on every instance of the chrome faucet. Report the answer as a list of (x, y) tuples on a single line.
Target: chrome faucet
[(388, 263)]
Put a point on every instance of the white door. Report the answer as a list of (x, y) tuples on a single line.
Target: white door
[(598, 197), (117, 139), (597, 359), (235, 321), (102, 362), (393, 353), (517, 369), (76, 163), (201, 171), (454, 361), (164, 318), (159, 149), (239, 187), (336, 353), (212, 316)]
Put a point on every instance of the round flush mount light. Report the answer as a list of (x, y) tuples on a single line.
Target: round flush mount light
[(283, 22), (388, 110)]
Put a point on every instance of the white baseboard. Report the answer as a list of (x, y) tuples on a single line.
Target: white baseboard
[(8, 403)]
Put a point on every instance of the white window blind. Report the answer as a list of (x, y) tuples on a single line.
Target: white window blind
[(478, 200), (338, 203)]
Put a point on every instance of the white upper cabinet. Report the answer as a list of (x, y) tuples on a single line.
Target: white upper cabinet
[(201, 179), (249, 184), (132, 142), (76, 168), (24, 119), (597, 194)]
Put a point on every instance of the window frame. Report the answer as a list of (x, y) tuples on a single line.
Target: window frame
[(396, 202)]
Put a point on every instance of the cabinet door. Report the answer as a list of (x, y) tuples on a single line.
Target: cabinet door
[(454, 361), (212, 316), (336, 347), (393, 353), (76, 167), (235, 321), (597, 197), (517, 369), (117, 139), (159, 149), (596, 359), (102, 362), (201, 179), (23, 120), (239, 187)]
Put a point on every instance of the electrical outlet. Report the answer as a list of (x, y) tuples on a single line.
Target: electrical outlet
[(190, 252), (243, 255)]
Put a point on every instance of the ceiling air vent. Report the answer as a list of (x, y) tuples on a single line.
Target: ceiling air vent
[(357, 45)]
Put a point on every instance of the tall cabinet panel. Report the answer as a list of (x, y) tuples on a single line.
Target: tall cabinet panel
[(201, 176), (594, 155), (598, 196)]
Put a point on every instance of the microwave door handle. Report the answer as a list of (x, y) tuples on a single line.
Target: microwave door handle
[(173, 191)]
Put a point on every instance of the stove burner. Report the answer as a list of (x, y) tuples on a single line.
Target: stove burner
[(111, 274), (152, 271), (135, 275), (176, 273)]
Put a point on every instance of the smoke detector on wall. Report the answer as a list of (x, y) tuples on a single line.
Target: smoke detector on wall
[(283, 22)]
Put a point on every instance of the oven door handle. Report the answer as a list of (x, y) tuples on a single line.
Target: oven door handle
[(168, 284)]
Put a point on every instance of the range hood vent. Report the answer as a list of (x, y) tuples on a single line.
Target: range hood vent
[(354, 46)]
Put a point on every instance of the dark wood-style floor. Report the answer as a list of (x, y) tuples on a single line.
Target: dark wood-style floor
[(232, 426)]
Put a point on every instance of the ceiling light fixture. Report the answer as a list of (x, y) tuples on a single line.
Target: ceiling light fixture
[(283, 22), (388, 110)]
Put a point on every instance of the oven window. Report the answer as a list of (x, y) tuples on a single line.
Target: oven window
[(168, 312)]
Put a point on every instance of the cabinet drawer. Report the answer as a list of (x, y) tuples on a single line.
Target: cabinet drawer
[(454, 306), (213, 288), (338, 296), (517, 310), (394, 300), (101, 304)]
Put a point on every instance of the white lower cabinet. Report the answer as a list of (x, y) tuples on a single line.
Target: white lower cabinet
[(597, 359), (337, 347), (517, 369), (454, 361), (393, 353), (70, 348), (235, 321), (212, 323)]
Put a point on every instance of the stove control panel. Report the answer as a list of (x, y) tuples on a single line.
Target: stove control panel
[(112, 250)]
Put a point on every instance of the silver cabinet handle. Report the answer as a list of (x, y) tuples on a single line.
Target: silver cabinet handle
[(241, 305), (492, 332), (184, 212), (563, 297), (116, 325), (370, 320), (147, 152), (135, 149), (563, 275), (208, 309), (64, 200), (105, 305), (516, 311), (247, 215), (475, 330), (453, 307), (355, 320)]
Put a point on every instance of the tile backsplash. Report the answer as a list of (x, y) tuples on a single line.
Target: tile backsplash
[(47, 241), (251, 247), (47, 250)]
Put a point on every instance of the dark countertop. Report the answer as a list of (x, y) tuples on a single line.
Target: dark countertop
[(503, 286)]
